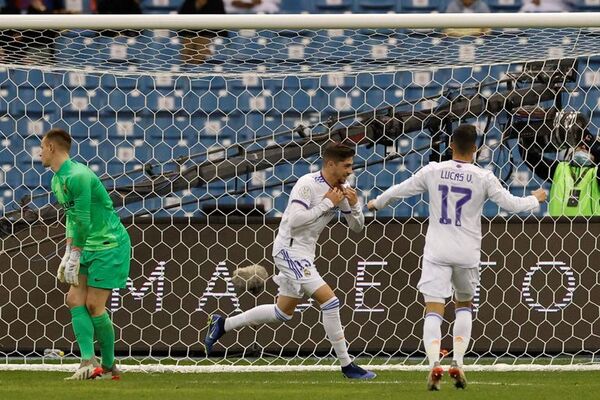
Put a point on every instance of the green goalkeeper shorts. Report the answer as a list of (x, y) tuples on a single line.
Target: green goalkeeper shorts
[(106, 269)]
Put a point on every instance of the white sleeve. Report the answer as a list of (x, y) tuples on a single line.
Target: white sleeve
[(299, 214), (506, 200), (355, 217), (416, 184)]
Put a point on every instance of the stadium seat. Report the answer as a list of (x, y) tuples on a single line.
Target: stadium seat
[(421, 5), (161, 102), (504, 5), (32, 78), (208, 102), (294, 6), (30, 101), (586, 101), (585, 5), (109, 81), (376, 6), (4, 99), (589, 77), (161, 53), (8, 129), (338, 80), (75, 79), (87, 127), (80, 100), (31, 125), (33, 174), (332, 6), (254, 101), (4, 77)]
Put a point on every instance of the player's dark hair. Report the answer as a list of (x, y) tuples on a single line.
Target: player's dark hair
[(464, 138), (337, 152), (59, 137)]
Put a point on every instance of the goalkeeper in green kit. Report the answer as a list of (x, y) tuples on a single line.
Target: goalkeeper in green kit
[(97, 254)]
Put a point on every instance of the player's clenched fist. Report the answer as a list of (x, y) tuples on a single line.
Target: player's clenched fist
[(371, 205), (335, 195), (351, 195), (540, 195), (72, 268)]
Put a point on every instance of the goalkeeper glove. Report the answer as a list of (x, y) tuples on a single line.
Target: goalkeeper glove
[(72, 268), (60, 274)]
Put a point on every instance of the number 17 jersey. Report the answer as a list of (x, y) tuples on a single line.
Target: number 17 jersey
[(457, 192)]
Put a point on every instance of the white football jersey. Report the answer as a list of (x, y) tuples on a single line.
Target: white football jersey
[(457, 191), (307, 203)]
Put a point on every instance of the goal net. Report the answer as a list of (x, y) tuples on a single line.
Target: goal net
[(199, 127)]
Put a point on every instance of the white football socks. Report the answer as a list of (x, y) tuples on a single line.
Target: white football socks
[(462, 333), (432, 337), (333, 327), (264, 314)]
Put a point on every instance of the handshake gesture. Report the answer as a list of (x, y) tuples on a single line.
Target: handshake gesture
[(68, 270), (337, 194)]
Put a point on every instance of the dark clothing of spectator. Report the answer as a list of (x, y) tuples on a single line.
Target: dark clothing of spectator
[(118, 7), (209, 7)]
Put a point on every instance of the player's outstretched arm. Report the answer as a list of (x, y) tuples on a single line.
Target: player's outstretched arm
[(412, 186), (508, 202)]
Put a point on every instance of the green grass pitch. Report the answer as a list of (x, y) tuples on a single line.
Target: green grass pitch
[(299, 385)]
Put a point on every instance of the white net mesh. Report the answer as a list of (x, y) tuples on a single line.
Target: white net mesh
[(200, 136), (268, 53)]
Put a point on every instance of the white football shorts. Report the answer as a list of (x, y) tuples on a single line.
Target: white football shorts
[(297, 277), (442, 281)]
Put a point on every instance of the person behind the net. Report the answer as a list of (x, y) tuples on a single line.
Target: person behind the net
[(457, 191), (314, 200), (97, 254)]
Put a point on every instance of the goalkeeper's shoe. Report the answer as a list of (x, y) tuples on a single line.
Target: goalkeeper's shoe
[(87, 370), (435, 377), (458, 375), (353, 371), (216, 329), (113, 373)]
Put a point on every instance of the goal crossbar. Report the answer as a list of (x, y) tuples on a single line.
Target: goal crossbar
[(304, 21)]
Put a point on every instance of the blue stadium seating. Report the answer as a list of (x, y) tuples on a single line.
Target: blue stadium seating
[(504, 5), (422, 5), (293, 6), (158, 118), (332, 6), (585, 5), (376, 6), (30, 101)]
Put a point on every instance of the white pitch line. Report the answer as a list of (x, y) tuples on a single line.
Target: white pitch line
[(369, 382), (194, 369)]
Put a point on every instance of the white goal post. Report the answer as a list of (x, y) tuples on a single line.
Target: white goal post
[(200, 124)]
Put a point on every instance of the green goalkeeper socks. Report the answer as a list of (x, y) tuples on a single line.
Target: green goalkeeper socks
[(84, 331), (105, 334)]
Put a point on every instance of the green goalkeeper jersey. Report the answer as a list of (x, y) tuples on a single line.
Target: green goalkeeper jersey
[(92, 222)]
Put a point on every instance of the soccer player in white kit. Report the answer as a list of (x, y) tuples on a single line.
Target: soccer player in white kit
[(457, 191), (315, 199)]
